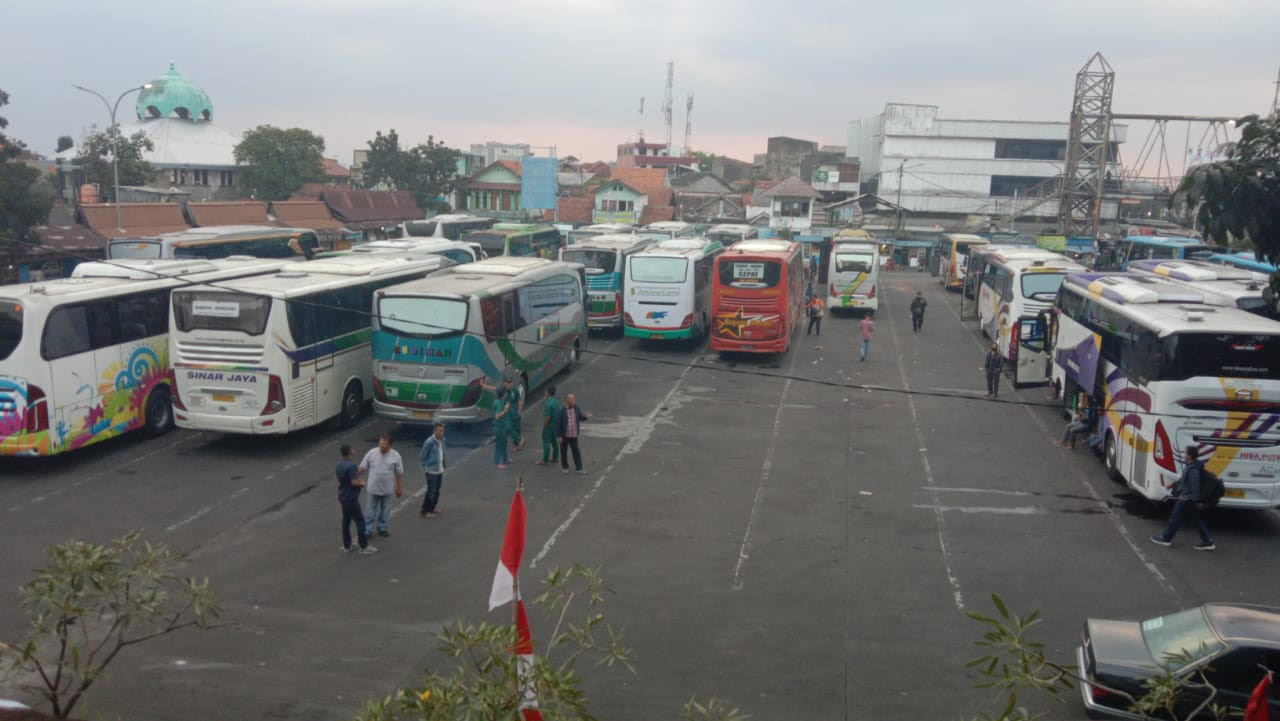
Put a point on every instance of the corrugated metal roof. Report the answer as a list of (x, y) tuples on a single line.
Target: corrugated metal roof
[(68, 238), (792, 187), (247, 212), (313, 214), (138, 219), (372, 206)]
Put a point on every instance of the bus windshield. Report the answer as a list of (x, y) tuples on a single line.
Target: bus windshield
[(1041, 286), (1258, 306), (422, 317), (145, 249), (10, 327), (420, 228), (854, 262), (1220, 355), (201, 310), (595, 260), (492, 243), (656, 269), (750, 273)]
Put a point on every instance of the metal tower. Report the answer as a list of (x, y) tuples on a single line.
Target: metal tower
[(666, 103), (1087, 149), (640, 132), (688, 124)]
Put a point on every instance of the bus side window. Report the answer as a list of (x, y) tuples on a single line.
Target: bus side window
[(491, 315), (144, 315), (103, 331), (66, 332), (1006, 287)]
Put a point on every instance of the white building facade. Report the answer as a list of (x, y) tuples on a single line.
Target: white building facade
[(493, 152), (965, 167)]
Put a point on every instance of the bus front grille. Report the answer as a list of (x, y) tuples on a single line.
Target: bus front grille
[(210, 353)]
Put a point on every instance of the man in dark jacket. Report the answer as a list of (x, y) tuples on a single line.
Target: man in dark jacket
[(918, 304), (568, 426), (1187, 491), (992, 366)]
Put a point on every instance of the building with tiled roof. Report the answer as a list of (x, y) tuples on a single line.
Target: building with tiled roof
[(791, 204), (494, 191), (335, 173)]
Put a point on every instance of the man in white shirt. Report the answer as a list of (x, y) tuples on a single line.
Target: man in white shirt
[(385, 474)]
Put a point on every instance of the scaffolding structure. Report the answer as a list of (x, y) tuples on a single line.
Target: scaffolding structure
[(1088, 148)]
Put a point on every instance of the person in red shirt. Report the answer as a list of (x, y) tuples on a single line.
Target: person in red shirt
[(868, 327), (815, 315)]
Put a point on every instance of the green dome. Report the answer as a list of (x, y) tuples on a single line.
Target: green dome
[(173, 96)]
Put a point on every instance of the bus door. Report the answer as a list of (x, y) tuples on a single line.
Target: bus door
[(971, 294), (72, 368), (1031, 363)]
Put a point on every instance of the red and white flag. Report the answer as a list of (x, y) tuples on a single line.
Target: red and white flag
[(524, 659), (1257, 708), (504, 579)]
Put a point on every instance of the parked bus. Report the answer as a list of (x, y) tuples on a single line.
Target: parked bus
[(1172, 372), (668, 229), (604, 258), (455, 250), (1222, 285), (281, 352), (449, 226), (669, 289), (853, 275), (577, 235), (1245, 259), (539, 241), (1116, 255), (955, 257), (441, 344), (1017, 286), (757, 296), (86, 358), (729, 233), (220, 241)]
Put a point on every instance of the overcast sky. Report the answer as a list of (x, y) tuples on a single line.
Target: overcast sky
[(571, 73)]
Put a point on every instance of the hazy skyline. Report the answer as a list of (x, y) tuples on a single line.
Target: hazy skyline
[(571, 73)]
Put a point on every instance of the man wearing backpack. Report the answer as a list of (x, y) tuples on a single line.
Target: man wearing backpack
[(1192, 496)]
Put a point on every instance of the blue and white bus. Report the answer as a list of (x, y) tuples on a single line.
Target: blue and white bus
[(1117, 255), (1222, 285)]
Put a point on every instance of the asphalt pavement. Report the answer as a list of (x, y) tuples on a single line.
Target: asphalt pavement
[(799, 534)]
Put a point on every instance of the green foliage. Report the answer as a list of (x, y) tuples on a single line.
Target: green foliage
[(716, 709), (279, 161), (704, 159), (428, 170), (24, 200), (1012, 661), (95, 157), (64, 143), (90, 603)]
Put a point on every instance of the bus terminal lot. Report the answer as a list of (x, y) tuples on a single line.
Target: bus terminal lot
[(776, 537)]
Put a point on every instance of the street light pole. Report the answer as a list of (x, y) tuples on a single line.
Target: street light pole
[(115, 152)]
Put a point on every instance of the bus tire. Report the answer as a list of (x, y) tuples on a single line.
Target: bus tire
[(158, 412), (352, 405), (1109, 453)]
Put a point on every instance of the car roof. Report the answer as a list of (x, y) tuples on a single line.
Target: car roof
[(1245, 622)]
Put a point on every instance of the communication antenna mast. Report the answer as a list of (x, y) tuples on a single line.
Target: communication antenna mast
[(640, 132), (1275, 99), (666, 102), (688, 124)]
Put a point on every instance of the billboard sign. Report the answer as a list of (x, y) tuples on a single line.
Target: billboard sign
[(538, 183)]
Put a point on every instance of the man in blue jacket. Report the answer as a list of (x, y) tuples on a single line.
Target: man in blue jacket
[(568, 426), (1188, 490), (432, 457)]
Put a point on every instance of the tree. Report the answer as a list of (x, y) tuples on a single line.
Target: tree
[(64, 143), (90, 603), (1013, 661), (278, 161), (428, 170), (95, 157), (24, 200)]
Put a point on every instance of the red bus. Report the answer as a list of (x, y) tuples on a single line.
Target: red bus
[(757, 296)]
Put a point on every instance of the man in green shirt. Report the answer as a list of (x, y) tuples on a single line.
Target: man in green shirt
[(550, 412)]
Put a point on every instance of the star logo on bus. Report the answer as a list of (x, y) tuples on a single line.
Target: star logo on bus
[(731, 324)]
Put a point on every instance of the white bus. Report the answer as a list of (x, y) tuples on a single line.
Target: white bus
[(1221, 284), (729, 233), (449, 226), (455, 250), (1170, 373), (669, 289), (668, 229), (277, 353), (86, 358), (577, 235), (853, 275), (441, 343), (604, 259), (1016, 288), (220, 241)]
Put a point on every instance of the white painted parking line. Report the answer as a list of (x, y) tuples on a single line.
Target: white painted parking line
[(945, 489), (995, 510)]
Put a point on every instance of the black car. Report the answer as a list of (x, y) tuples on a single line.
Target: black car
[(1234, 642)]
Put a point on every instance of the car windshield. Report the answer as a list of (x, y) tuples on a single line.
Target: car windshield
[(10, 327), (1041, 286), (656, 269), (422, 317), (595, 260), (1180, 638)]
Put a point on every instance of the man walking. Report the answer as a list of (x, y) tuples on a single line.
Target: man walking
[(550, 417), (992, 365), (917, 311), (385, 475), (868, 327), (349, 485), (567, 427), (1188, 490), (515, 407), (432, 457), (815, 315), (500, 408)]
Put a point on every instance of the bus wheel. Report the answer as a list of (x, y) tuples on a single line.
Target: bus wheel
[(1109, 453), (158, 412), (352, 404)]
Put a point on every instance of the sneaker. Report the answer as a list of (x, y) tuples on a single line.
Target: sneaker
[(1159, 541), (384, 534), (580, 472), (348, 549), (564, 470), (368, 551), (1204, 546)]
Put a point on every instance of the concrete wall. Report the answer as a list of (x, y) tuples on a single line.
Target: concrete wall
[(864, 144)]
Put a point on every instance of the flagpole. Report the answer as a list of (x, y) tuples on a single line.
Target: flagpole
[(515, 618)]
